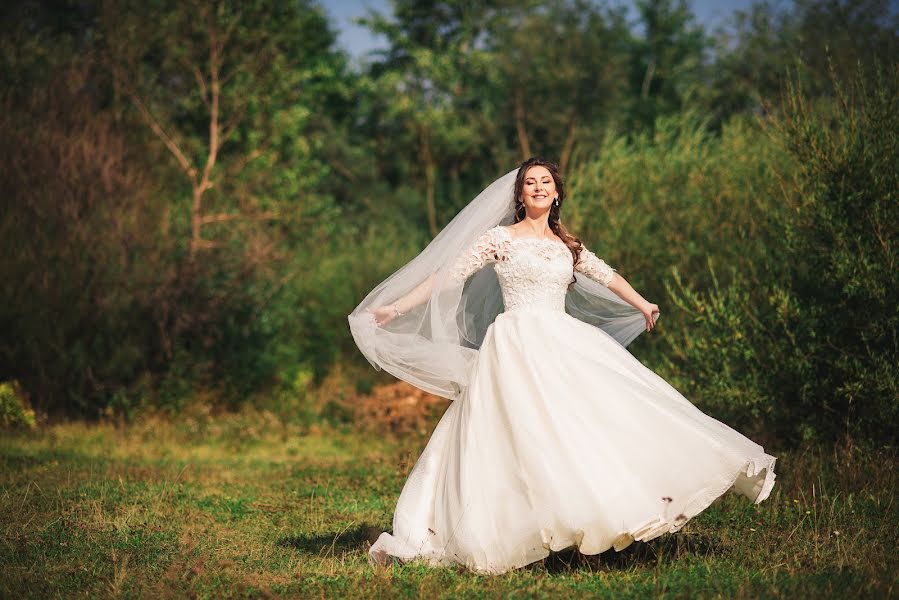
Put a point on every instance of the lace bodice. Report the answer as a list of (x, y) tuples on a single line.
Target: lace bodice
[(532, 272)]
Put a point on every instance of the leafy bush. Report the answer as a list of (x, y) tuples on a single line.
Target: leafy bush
[(812, 352), (841, 230), (14, 409), (671, 200)]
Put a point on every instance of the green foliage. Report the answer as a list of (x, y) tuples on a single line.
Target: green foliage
[(842, 230), (808, 37), (428, 92), (722, 352), (317, 301), (14, 408), (673, 200), (550, 98), (160, 246), (162, 179), (813, 351), (668, 63)]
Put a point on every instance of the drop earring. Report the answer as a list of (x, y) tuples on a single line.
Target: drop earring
[(556, 202)]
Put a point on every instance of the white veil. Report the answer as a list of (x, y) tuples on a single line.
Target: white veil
[(434, 345)]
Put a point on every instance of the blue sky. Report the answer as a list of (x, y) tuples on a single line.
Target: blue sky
[(358, 41)]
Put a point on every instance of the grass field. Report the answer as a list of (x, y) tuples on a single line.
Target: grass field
[(244, 505)]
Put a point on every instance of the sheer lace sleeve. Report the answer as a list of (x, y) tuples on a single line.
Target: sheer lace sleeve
[(594, 267), (492, 246)]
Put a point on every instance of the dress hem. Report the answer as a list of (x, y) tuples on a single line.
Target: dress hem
[(644, 532)]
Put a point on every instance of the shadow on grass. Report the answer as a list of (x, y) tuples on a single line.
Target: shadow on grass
[(638, 555), (339, 542)]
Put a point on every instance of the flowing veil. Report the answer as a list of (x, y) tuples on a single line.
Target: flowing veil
[(434, 345)]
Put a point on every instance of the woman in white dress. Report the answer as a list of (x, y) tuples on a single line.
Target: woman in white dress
[(557, 436)]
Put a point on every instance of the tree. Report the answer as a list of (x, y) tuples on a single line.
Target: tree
[(810, 39), (116, 292), (427, 85), (668, 62), (563, 74), (231, 90)]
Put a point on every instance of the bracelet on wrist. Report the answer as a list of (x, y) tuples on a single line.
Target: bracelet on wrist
[(396, 311)]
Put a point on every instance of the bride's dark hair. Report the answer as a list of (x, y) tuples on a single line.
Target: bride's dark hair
[(572, 241)]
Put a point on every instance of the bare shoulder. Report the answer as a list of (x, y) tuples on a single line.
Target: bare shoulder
[(513, 230)]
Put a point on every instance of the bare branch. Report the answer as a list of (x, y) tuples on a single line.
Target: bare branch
[(154, 125), (343, 170), (226, 77), (222, 217), (240, 165), (201, 243), (226, 35), (262, 60), (214, 127), (232, 123), (204, 92)]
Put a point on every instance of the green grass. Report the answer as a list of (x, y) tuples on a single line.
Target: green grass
[(247, 506)]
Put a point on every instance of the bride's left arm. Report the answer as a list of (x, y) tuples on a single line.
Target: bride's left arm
[(626, 292), (596, 268)]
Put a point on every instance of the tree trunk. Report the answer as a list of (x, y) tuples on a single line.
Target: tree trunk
[(647, 79), (569, 144), (521, 127), (430, 178), (196, 215), (455, 192), (196, 207)]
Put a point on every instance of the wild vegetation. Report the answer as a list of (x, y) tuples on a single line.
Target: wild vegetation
[(199, 193), (197, 205)]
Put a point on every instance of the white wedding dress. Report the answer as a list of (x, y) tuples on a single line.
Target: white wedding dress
[(563, 438)]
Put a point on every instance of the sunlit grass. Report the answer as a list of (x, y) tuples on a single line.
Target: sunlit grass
[(247, 506)]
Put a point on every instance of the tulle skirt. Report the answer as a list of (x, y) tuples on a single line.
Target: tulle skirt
[(563, 439)]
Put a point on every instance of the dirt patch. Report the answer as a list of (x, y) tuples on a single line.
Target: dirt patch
[(398, 408)]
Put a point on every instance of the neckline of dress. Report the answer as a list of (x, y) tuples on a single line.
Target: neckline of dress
[(534, 238)]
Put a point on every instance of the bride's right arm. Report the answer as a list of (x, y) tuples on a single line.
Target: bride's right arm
[(418, 295), (596, 269), (488, 248)]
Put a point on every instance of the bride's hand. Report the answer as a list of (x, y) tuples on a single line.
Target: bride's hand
[(651, 313), (383, 314)]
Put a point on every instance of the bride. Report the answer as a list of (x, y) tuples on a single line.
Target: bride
[(557, 436)]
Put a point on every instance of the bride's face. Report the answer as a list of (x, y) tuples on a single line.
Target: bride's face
[(539, 189)]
